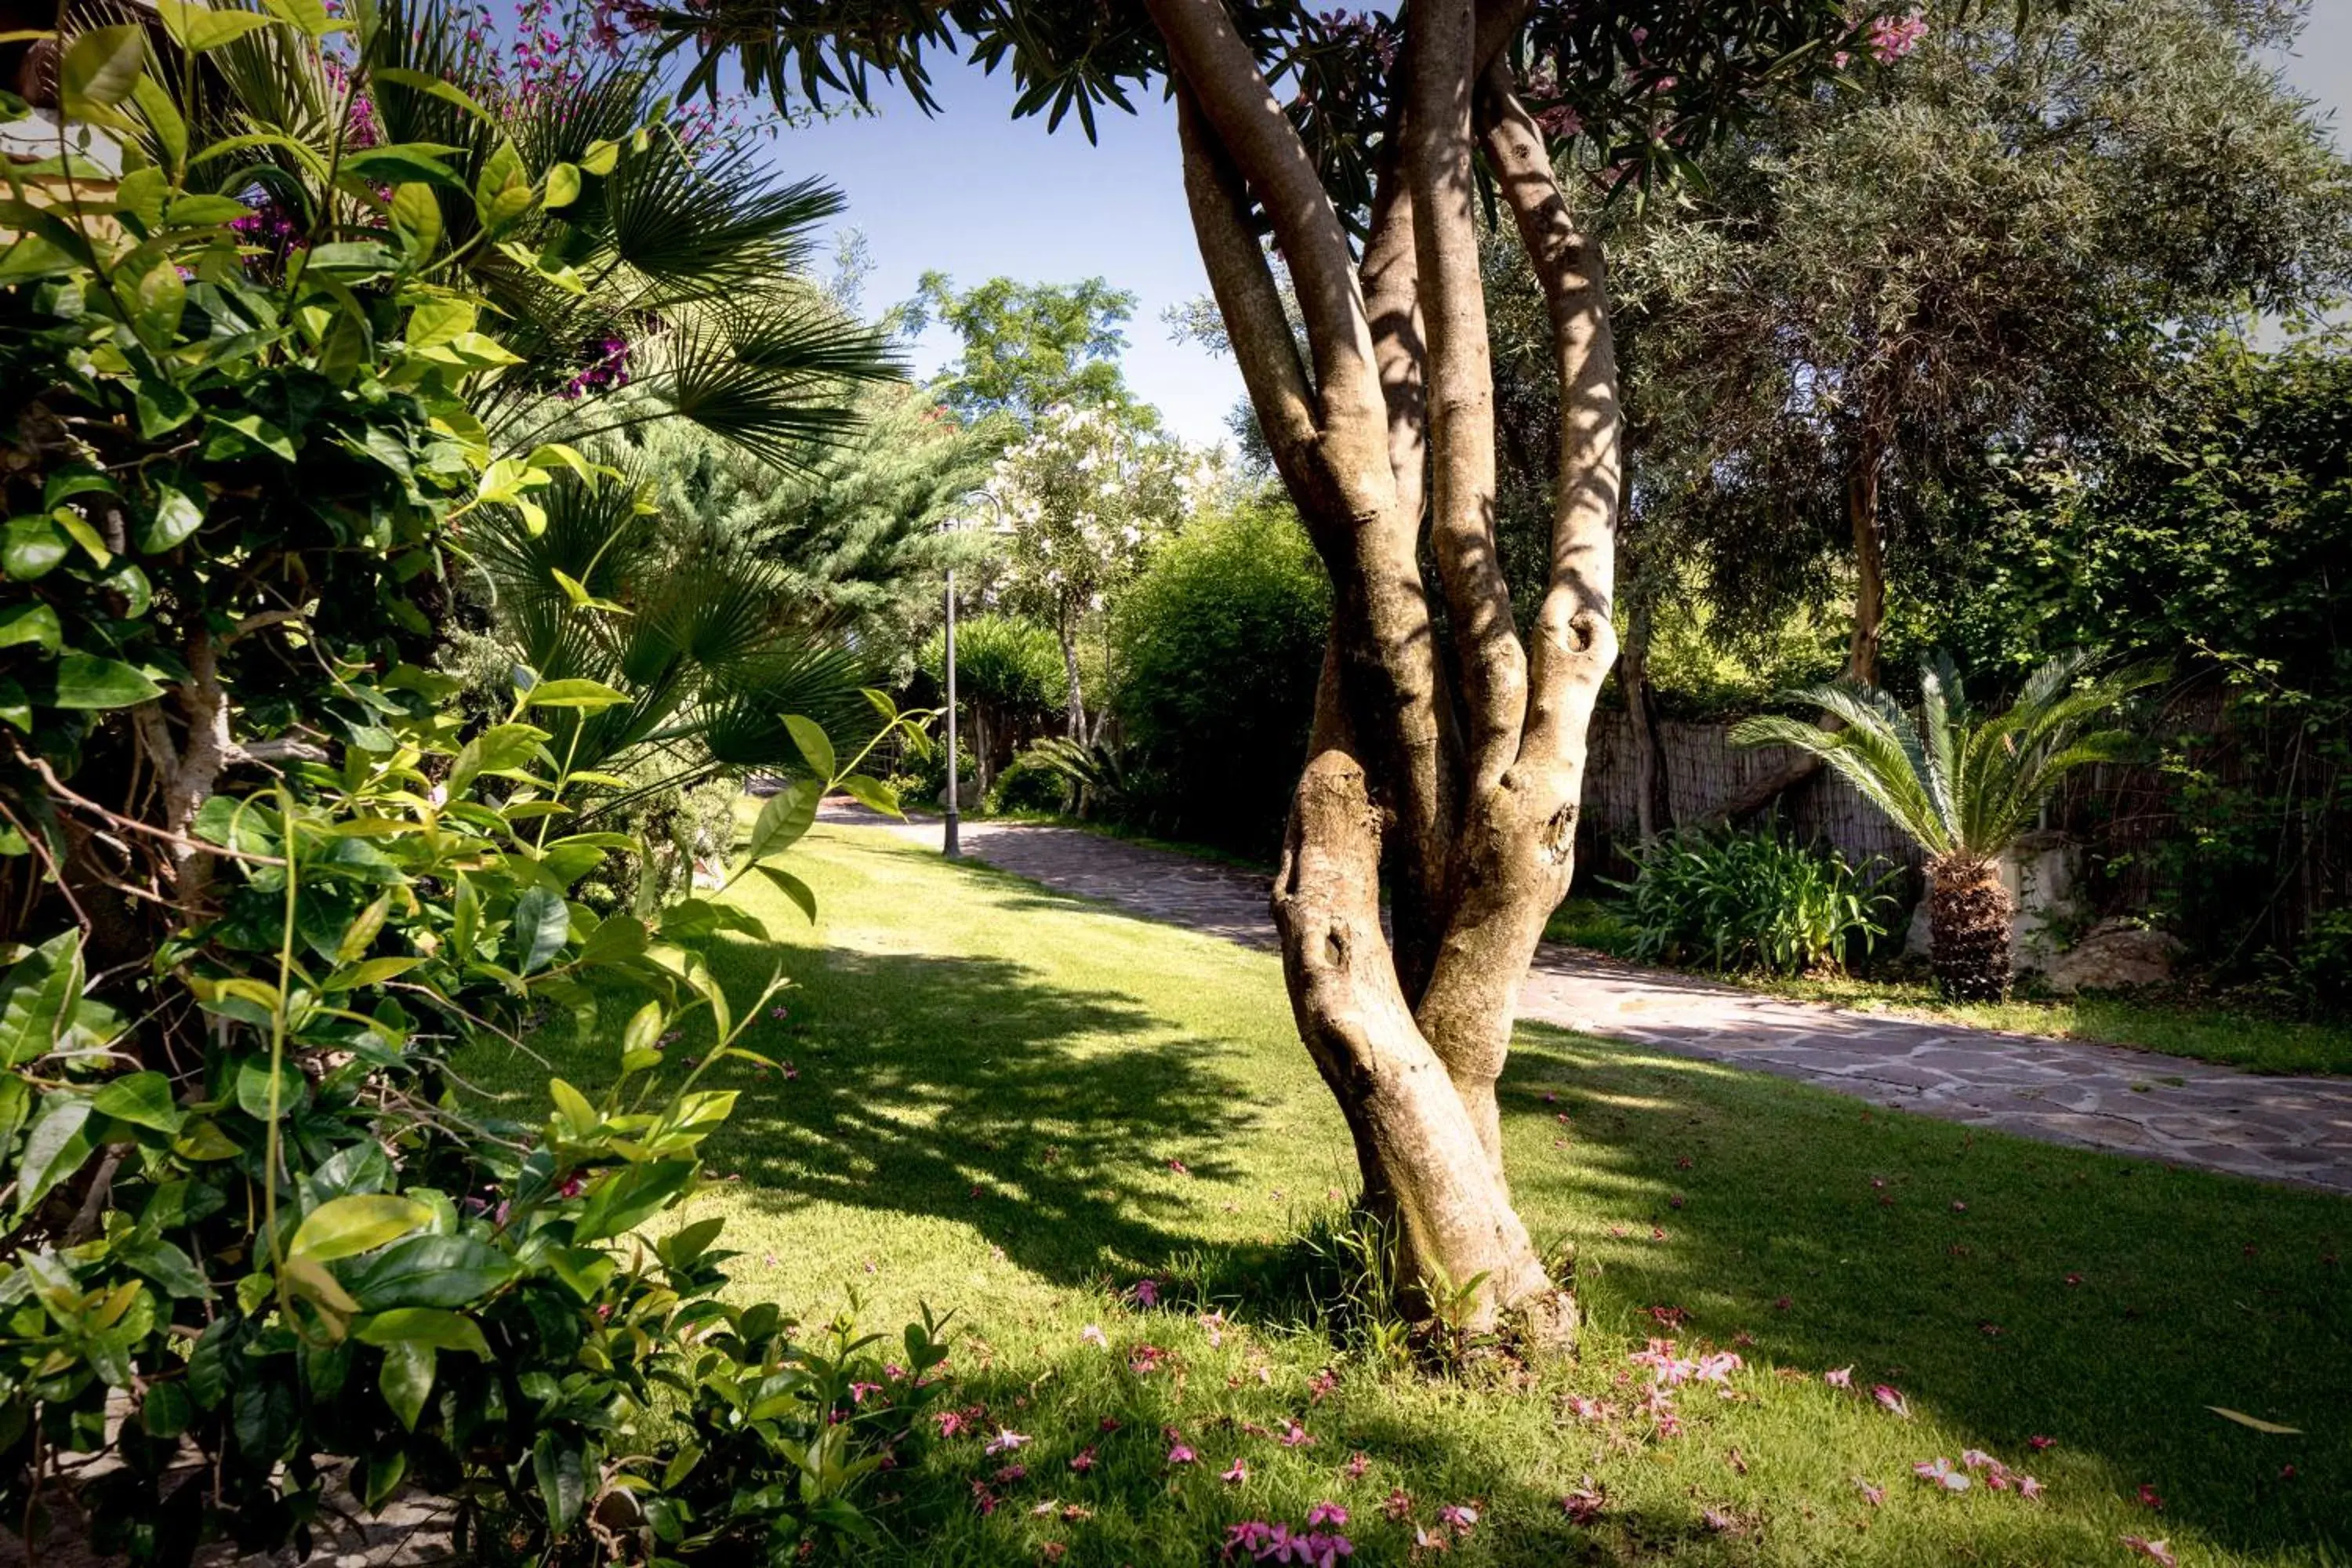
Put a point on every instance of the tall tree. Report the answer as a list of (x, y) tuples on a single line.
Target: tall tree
[(1028, 347), (1445, 741)]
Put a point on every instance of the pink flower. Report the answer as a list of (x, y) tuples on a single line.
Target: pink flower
[(2038, 1443), (1641, 35), (1145, 1293), (1092, 1333), (1296, 1437), (1892, 1400), (983, 1498), (1237, 1475), (858, 1391), (1839, 1377), (1215, 1324), (1874, 1496), (1890, 40), (1083, 1460), (1715, 1520), (1005, 1441), (1959, 1207), (1321, 1551), (1461, 1517), (2147, 1498), (1178, 1454), (1977, 1459), (1248, 1536), (1585, 1409), (1180, 1167), (1358, 1463), (1011, 1473), (1585, 1504), (1324, 1513), (951, 1422), (1145, 1360), (1321, 1385), (2159, 1551), (2027, 1487), (1940, 1471)]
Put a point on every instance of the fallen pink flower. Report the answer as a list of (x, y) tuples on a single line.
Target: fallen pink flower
[(2159, 1551), (2038, 1442), (1180, 1167), (1940, 1471), (1092, 1333), (1587, 1409), (1892, 1400), (1297, 1437), (1715, 1520), (1247, 1536), (1215, 1324), (1145, 1293), (1875, 1495), (1324, 1513), (1585, 1504), (1178, 1454), (1005, 1441), (1237, 1475), (1460, 1517), (1011, 1473), (1839, 1377), (983, 1498), (1321, 1551), (1358, 1463), (2027, 1487), (1083, 1460), (2147, 1498), (1321, 1385)]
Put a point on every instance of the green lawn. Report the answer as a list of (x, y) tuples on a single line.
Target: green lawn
[(990, 1083), (2226, 1035)]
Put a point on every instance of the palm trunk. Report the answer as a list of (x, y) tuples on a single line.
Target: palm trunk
[(1968, 916)]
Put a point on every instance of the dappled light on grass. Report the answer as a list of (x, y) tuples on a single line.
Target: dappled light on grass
[(997, 1086)]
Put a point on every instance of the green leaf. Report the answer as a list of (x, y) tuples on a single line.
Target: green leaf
[(793, 887), (616, 937), (502, 191), (499, 750), (437, 321), (434, 1326), (345, 1227), (163, 119), (201, 27), (397, 163), (87, 682), (36, 623), (872, 794), (54, 1150), (432, 86), (406, 1380), (78, 528), (572, 693), (416, 214), (561, 1471), (203, 210), (782, 821), (384, 1472), (562, 186), (630, 1196), (542, 924), (174, 518), (163, 406), (253, 1089), (2254, 1421), (31, 547), (810, 737), (142, 1099), (601, 157), (309, 16), (431, 1271), (100, 69)]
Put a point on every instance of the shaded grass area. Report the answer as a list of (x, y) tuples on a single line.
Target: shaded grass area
[(2203, 1030), (990, 1083)]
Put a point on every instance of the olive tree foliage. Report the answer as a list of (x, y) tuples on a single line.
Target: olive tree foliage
[(2008, 240), (1448, 742)]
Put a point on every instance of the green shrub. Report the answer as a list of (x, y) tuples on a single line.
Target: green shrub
[(1751, 901), (1220, 644), (1033, 781)]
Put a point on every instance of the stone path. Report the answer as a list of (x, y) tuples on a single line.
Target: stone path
[(2294, 1130)]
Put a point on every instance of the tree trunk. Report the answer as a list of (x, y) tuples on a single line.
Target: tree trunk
[(1074, 712), (1652, 805), (1968, 915), (1456, 759), (1869, 567)]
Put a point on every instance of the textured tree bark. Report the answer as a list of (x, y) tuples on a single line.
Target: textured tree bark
[(1869, 568), (1455, 756), (1074, 708)]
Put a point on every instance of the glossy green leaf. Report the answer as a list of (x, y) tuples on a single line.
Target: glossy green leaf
[(802, 895), (142, 1099), (542, 924), (31, 548), (406, 1380), (446, 1272), (591, 695), (100, 69), (35, 624), (562, 1472), (809, 736), (87, 682), (54, 1149), (345, 1227), (435, 1326), (631, 1195), (169, 522)]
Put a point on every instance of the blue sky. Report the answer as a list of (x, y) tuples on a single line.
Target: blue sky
[(975, 194)]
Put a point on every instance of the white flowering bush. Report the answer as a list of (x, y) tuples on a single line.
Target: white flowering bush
[(1084, 498)]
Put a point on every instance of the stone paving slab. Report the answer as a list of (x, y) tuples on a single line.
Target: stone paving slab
[(2293, 1129)]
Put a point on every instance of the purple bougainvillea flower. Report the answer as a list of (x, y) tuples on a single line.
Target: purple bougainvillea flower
[(1324, 1513), (1940, 1471), (1237, 1475), (1892, 1400), (1874, 1496), (1178, 1454), (1145, 1293)]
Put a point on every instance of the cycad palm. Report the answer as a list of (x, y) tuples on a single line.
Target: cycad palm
[(1964, 787)]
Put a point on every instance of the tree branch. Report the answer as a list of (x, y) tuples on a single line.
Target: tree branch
[(1236, 103), (1437, 148)]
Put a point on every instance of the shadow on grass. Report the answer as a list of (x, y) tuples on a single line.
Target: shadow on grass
[(2008, 1289), (964, 1087)]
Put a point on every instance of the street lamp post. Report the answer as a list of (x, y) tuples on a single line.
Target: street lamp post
[(954, 850)]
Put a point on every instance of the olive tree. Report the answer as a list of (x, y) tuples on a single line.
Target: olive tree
[(1448, 747)]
